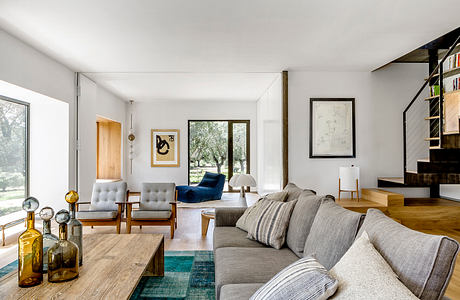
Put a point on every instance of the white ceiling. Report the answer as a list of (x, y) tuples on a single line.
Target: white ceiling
[(237, 36), (187, 86)]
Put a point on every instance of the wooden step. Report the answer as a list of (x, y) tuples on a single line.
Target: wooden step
[(432, 138), (429, 179), (382, 197), (390, 182), (437, 167), (432, 98), (432, 118)]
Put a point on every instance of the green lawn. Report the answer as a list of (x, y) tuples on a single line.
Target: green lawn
[(9, 195), (10, 201), (197, 173)]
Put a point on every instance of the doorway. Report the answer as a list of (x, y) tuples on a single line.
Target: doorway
[(108, 149), (218, 146)]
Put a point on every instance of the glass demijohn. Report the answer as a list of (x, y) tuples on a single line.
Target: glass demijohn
[(30, 249), (63, 257), (75, 226), (49, 239)]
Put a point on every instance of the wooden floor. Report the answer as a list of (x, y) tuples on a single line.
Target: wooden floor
[(433, 216)]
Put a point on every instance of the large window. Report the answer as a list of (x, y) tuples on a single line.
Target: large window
[(14, 116), (218, 147)]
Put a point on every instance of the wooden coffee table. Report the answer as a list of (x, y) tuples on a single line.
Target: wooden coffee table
[(112, 267)]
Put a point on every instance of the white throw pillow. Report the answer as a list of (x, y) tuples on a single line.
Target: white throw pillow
[(364, 274), (305, 279)]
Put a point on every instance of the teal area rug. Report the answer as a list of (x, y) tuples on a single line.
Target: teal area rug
[(189, 275)]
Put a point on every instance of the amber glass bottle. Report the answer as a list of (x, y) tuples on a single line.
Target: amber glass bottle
[(75, 226), (30, 249), (63, 257), (49, 239)]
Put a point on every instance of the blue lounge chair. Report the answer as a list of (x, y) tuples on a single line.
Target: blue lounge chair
[(210, 188)]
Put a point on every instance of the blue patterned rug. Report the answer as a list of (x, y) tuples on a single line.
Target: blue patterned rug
[(188, 275)]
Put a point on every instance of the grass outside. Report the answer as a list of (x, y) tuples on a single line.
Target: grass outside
[(10, 201)]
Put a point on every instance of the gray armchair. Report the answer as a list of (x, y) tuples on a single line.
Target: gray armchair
[(106, 206), (157, 206)]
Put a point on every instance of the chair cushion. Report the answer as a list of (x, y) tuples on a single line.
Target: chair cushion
[(157, 196), (270, 225), (94, 215), (105, 194), (242, 291), (232, 237), (303, 279), (364, 274), (423, 262), (302, 218), (332, 233), (294, 191), (150, 214), (249, 265)]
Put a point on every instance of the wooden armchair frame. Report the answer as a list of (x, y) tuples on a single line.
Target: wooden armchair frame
[(104, 222), (171, 221)]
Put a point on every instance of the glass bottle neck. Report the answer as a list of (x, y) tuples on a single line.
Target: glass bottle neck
[(47, 226), (30, 220), (63, 231), (72, 210)]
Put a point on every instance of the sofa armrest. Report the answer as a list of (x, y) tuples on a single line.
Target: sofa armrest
[(227, 216)]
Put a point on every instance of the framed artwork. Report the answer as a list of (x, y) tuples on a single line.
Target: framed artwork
[(165, 148), (332, 128)]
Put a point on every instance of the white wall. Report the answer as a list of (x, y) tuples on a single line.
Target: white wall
[(48, 145), (175, 115), (26, 67), (95, 101), (269, 139), (381, 97)]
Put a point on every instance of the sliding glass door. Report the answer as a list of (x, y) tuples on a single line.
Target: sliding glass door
[(218, 146), (14, 116)]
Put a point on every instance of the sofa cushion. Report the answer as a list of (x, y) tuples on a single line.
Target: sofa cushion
[(151, 214), (423, 262), (228, 216), (331, 233), (303, 279), (242, 291), (364, 274), (249, 265), (271, 223), (294, 191), (302, 218), (94, 215), (232, 237), (249, 216)]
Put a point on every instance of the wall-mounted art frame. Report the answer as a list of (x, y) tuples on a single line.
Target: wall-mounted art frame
[(165, 150), (332, 128)]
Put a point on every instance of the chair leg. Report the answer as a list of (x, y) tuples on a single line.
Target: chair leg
[(172, 228), (140, 226), (128, 226), (92, 227), (118, 226)]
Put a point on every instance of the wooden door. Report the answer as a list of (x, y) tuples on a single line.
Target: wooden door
[(108, 149)]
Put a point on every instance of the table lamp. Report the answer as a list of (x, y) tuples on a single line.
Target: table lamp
[(242, 180)]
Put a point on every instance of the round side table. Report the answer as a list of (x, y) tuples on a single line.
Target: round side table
[(206, 215)]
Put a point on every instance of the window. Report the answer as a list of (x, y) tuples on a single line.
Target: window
[(218, 147), (14, 169)]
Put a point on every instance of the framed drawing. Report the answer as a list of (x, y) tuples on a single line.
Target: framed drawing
[(165, 148), (332, 128)]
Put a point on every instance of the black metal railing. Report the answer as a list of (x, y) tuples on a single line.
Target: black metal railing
[(437, 72)]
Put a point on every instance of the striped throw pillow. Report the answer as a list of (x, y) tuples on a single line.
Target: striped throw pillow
[(303, 280), (270, 225)]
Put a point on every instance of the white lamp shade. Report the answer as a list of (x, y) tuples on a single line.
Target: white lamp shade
[(232, 181), (243, 180), (348, 177)]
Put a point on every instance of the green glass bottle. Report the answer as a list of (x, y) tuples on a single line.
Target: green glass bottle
[(30, 249), (49, 239), (63, 257), (75, 226)]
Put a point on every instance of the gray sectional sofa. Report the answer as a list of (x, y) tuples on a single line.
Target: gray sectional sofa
[(424, 263)]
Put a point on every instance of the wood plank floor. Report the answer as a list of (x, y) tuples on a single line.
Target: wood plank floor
[(188, 234)]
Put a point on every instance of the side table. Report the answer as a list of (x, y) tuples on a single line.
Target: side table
[(206, 216)]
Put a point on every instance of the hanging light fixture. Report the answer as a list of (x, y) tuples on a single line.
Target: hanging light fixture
[(131, 136)]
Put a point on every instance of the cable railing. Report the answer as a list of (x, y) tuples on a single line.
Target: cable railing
[(423, 120)]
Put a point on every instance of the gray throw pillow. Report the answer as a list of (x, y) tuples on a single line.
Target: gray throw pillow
[(332, 233), (249, 215), (303, 280), (270, 225), (301, 221), (364, 274), (294, 191)]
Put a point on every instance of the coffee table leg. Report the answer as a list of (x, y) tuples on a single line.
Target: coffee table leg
[(156, 266), (204, 225)]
